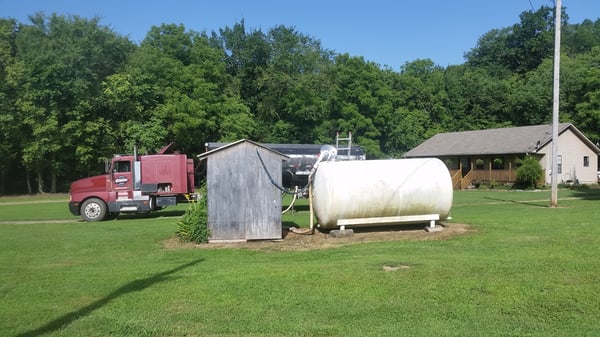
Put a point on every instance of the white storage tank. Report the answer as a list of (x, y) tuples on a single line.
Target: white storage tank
[(380, 188)]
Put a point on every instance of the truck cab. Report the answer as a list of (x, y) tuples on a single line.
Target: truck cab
[(135, 184)]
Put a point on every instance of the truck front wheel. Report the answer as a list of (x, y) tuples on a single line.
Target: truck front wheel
[(93, 209)]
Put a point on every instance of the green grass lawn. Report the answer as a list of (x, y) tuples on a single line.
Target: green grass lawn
[(525, 270), (40, 207)]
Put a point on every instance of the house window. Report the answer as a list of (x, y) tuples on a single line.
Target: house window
[(479, 164), (452, 163), (498, 163), (559, 164), (586, 161)]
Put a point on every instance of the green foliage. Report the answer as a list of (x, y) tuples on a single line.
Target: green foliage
[(587, 106), (580, 38), (529, 173), (62, 62), (519, 48), (193, 225), (9, 126), (73, 92)]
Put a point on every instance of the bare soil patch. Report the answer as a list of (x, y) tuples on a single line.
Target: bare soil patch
[(323, 240)]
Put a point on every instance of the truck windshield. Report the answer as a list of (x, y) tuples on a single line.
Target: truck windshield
[(121, 166)]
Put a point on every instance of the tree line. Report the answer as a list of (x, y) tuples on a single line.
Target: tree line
[(73, 92)]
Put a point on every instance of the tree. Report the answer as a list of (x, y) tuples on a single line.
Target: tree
[(529, 97), (359, 95), (406, 129), (423, 88), (293, 87), (491, 52), (9, 123), (64, 60), (587, 110), (172, 41), (476, 99), (519, 48), (580, 38), (247, 55), (167, 93), (529, 172)]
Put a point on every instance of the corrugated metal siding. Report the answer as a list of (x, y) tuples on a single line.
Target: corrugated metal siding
[(242, 202)]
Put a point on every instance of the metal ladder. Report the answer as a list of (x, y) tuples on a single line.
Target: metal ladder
[(348, 143)]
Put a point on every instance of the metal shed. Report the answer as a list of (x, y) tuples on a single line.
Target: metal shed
[(243, 200)]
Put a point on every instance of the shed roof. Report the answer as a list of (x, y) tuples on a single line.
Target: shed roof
[(291, 149), (226, 146), (514, 140)]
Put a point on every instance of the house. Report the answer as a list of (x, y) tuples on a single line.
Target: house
[(492, 155), (244, 202)]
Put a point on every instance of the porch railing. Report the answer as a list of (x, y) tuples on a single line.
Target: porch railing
[(466, 180), (499, 176), (456, 178)]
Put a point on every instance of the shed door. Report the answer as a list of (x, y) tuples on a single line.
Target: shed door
[(226, 190), (263, 208)]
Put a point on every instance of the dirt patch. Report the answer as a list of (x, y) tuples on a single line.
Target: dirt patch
[(322, 240)]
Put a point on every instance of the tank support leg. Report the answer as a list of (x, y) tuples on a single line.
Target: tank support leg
[(377, 221)]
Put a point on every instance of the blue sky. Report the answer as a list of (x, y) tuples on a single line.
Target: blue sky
[(388, 32)]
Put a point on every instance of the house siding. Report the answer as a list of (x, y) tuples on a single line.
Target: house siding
[(572, 152)]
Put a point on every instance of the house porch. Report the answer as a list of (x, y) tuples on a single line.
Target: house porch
[(469, 170)]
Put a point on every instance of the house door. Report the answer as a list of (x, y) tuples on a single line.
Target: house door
[(466, 165)]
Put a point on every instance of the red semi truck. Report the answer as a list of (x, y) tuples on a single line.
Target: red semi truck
[(134, 184)]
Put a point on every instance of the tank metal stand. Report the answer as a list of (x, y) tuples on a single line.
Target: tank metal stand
[(377, 221)]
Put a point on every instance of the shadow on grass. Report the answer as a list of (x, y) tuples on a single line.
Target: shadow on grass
[(587, 193), (522, 202), (136, 285), (287, 224), (151, 215), (392, 227), (299, 208)]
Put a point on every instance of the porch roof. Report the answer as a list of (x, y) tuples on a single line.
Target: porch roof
[(514, 140)]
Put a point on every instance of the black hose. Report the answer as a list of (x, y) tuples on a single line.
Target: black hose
[(269, 175)]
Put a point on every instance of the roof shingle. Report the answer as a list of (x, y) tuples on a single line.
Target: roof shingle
[(514, 140)]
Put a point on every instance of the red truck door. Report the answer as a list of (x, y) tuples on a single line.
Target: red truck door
[(122, 178)]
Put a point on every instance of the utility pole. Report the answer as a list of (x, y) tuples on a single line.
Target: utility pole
[(555, 105)]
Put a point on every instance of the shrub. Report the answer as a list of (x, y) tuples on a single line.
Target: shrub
[(529, 172), (193, 225)]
